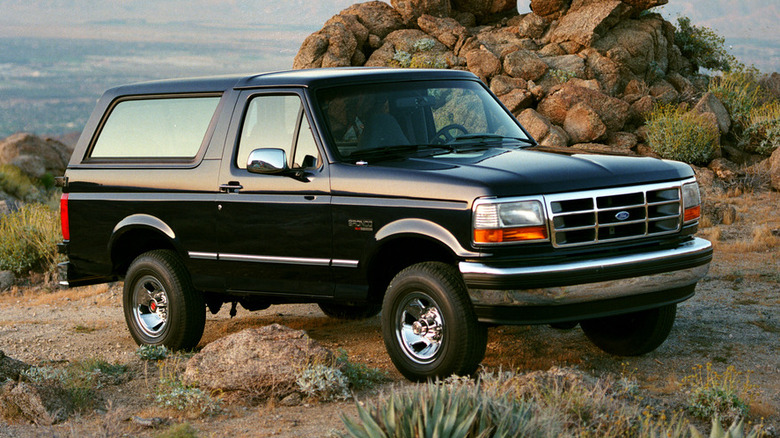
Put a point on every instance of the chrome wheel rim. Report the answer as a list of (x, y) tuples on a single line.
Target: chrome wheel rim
[(150, 306), (420, 327)]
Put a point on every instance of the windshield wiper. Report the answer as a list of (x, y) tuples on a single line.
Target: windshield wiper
[(393, 151), (491, 138)]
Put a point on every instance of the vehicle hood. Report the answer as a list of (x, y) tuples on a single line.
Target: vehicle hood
[(506, 172)]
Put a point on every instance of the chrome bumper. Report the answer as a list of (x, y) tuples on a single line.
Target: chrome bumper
[(606, 278)]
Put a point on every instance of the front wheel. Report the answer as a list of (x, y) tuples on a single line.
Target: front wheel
[(632, 334), (160, 305), (428, 324)]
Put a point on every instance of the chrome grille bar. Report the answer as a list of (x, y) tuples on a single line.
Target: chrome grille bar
[(609, 215)]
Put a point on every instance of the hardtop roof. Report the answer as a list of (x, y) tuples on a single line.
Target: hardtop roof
[(293, 78)]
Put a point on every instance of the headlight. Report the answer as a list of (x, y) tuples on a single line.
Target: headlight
[(509, 221), (691, 202)]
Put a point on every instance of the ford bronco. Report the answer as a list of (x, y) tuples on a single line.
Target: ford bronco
[(411, 192)]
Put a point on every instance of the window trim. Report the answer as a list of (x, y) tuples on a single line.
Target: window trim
[(154, 162)]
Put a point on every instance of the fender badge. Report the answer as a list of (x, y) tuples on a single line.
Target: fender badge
[(622, 215), (361, 225)]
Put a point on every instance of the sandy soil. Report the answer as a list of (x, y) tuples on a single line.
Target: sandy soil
[(734, 319)]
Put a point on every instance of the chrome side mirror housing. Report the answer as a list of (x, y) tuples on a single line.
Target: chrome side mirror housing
[(267, 161)]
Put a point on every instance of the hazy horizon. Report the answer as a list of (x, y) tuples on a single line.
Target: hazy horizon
[(58, 56)]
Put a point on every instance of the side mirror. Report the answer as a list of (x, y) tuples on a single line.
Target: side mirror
[(267, 161)]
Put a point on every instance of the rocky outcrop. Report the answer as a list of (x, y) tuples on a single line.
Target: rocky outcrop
[(7, 279), (774, 169), (10, 368), (575, 72), (256, 361), (35, 156), (39, 403)]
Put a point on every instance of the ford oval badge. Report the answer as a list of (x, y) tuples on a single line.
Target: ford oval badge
[(622, 215)]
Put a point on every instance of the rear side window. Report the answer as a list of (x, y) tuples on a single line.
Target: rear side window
[(155, 128)]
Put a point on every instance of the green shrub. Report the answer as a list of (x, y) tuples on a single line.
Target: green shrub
[(444, 410), (81, 379), (724, 395), (14, 182), (30, 237), (419, 57), (703, 47), (739, 92), (763, 131), (358, 375), (182, 430), (679, 135), (152, 352), (172, 392), (323, 382)]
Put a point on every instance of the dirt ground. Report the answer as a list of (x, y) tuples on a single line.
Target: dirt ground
[(734, 319)]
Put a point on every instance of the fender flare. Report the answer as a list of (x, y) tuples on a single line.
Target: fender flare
[(143, 222), (425, 228)]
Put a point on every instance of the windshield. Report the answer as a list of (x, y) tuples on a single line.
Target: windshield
[(423, 118)]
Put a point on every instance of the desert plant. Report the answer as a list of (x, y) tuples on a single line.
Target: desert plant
[(679, 135), (739, 92), (172, 392), (724, 395), (323, 382), (438, 410), (14, 182), (763, 128), (30, 237), (419, 56), (736, 430), (152, 352), (181, 430), (80, 378), (703, 46), (358, 375)]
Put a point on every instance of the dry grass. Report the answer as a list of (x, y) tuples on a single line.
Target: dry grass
[(102, 294)]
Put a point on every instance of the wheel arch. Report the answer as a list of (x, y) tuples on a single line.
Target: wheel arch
[(406, 242), (137, 234)]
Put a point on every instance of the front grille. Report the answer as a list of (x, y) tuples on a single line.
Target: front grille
[(609, 215)]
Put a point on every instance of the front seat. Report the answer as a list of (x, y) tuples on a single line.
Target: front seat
[(382, 129)]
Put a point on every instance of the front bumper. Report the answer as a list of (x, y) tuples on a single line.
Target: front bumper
[(639, 280)]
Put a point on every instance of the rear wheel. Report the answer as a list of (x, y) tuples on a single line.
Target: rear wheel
[(350, 311), (429, 327), (160, 305), (631, 334)]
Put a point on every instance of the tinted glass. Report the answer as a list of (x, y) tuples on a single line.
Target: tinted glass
[(158, 128), (374, 116)]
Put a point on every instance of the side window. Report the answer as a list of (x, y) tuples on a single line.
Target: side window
[(277, 122), (155, 128)]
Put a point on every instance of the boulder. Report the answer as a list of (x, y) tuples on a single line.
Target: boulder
[(550, 9), (532, 26), (622, 140), (411, 10), (378, 17), (43, 404), (483, 64), (642, 5), (333, 46), (724, 169), (503, 40), (411, 48), (613, 112), (557, 137), (447, 30), (586, 21), (571, 65), (774, 169), (503, 84), (771, 83), (484, 8), (525, 64), (599, 148), (34, 155), (639, 46), (641, 109), (605, 70), (536, 124), (10, 368), (583, 124), (709, 103), (517, 100), (664, 92), (258, 360), (7, 279)]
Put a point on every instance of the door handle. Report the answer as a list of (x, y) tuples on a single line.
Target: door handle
[(230, 187)]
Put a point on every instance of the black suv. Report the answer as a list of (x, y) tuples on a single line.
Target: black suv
[(413, 192)]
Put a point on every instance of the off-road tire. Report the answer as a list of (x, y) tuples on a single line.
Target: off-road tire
[(162, 273), (631, 334), (439, 289)]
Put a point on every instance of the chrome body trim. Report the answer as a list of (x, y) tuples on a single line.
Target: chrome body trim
[(338, 263), (594, 291), (203, 255)]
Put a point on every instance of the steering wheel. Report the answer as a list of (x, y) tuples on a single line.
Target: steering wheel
[(444, 135)]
